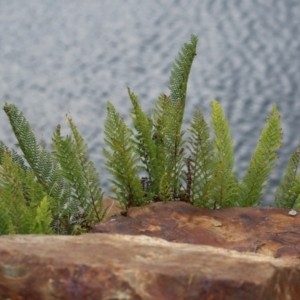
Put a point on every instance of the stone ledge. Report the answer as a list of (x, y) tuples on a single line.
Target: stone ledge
[(111, 266), (269, 231)]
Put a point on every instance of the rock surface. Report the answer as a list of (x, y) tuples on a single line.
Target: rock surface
[(270, 231), (107, 266), (112, 206)]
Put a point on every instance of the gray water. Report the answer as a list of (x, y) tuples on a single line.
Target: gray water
[(74, 56)]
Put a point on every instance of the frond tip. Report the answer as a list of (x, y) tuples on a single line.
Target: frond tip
[(181, 70)]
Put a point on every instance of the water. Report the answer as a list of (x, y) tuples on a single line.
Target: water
[(61, 56)]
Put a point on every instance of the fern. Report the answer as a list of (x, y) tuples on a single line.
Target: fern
[(201, 163), (14, 156), (20, 197), (93, 207), (224, 185), (159, 121), (174, 115), (165, 191), (41, 163), (5, 222), (65, 176), (65, 155), (43, 217), (11, 182), (289, 190), (39, 159), (180, 73), (122, 160), (146, 146), (174, 146), (262, 162), (59, 191)]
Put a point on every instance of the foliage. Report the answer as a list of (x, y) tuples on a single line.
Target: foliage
[(63, 182), (59, 192), (262, 162), (197, 170), (157, 141), (43, 217), (224, 185), (200, 163), (121, 162), (19, 198), (288, 193)]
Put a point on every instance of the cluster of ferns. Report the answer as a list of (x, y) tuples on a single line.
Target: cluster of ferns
[(58, 191)]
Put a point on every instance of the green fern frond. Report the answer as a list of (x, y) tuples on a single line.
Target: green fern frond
[(65, 154), (181, 70), (43, 217), (14, 155), (146, 146), (297, 202), (262, 162), (59, 192), (289, 189), (175, 111), (224, 191), (4, 218), (38, 158), (25, 136), (201, 163), (18, 212), (70, 169), (91, 177), (165, 193), (41, 163), (159, 120), (20, 197), (173, 146), (122, 159)]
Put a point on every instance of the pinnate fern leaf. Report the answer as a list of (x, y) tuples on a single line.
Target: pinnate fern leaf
[(165, 190), (262, 162), (201, 163), (14, 156), (224, 186), (38, 158), (172, 136), (288, 191), (70, 170), (43, 218), (181, 70), (93, 207), (19, 196), (122, 159), (146, 146)]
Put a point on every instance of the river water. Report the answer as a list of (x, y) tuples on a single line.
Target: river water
[(74, 56)]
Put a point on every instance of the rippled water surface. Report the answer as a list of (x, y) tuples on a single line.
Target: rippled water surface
[(61, 56)]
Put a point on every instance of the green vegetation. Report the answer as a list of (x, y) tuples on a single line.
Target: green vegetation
[(55, 191), (58, 191)]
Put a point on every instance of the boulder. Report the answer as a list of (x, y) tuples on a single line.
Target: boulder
[(161, 251), (112, 266), (269, 231)]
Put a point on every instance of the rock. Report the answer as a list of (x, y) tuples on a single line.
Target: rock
[(109, 266), (113, 206), (270, 231)]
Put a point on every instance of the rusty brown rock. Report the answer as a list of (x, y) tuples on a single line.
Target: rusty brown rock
[(270, 231), (103, 266)]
